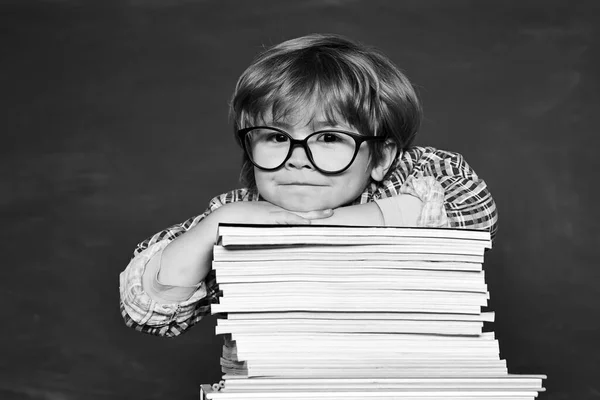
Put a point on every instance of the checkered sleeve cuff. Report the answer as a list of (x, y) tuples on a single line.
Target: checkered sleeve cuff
[(431, 193), (142, 307)]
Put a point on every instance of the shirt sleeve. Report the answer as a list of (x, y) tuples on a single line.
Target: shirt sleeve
[(141, 310), (447, 185)]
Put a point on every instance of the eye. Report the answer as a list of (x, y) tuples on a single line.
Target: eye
[(268, 136), (329, 137), (277, 137)]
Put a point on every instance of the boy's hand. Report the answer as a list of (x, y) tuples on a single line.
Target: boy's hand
[(262, 212)]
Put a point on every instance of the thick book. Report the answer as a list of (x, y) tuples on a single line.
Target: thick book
[(504, 387), (365, 316), (225, 326), (324, 234), (330, 253), (380, 266), (510, 381)]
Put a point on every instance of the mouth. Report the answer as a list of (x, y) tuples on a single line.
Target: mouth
[(299, 184)]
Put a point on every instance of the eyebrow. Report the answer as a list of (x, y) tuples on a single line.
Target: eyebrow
[(317, 125)]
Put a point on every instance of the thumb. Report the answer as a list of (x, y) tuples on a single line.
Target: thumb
[(317, 214)]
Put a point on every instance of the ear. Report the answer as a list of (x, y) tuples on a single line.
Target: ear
[(389, 154)]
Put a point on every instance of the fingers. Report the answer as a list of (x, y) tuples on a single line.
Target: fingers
[(288, 218), (318, 214)]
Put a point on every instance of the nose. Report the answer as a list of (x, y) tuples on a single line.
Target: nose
[(298, 159)]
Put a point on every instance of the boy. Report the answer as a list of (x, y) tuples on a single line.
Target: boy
[(326, 125)]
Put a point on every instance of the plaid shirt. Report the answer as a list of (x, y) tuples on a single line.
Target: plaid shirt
[(452, 195)]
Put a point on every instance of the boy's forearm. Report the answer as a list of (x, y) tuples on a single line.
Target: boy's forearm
[(187, 260), (400, 210)]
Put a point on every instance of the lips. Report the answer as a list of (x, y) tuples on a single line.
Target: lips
[(299, 184)]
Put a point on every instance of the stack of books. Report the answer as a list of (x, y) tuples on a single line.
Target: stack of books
[(332, 312)]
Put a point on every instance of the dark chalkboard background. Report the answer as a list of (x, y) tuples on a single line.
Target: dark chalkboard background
[(114, 126)]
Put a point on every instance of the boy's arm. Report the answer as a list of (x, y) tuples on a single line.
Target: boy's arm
[(166, 288), (400, 210), (140, 308), (466, 199)]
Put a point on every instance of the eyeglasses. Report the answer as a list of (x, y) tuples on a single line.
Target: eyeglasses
[(330, 151)]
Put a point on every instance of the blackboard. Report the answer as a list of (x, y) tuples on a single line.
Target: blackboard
[(115, 126)]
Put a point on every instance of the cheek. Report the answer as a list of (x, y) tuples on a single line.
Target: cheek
[(261, 179), (352, 183), (265, 184), (361, 168)]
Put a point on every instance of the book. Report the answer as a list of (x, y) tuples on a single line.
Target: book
[(225, 326), (490, 388), (353, 264), (484, 316), (350, 253), (311, 234), (510, 381)]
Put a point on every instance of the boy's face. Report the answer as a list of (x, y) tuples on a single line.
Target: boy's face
[(298, 186)]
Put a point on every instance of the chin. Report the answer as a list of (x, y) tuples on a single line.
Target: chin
[(302, 205)]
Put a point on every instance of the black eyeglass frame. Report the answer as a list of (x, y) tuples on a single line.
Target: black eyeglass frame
[(358, 139)]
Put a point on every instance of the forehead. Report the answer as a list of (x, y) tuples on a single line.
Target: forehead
[(311, 115)]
